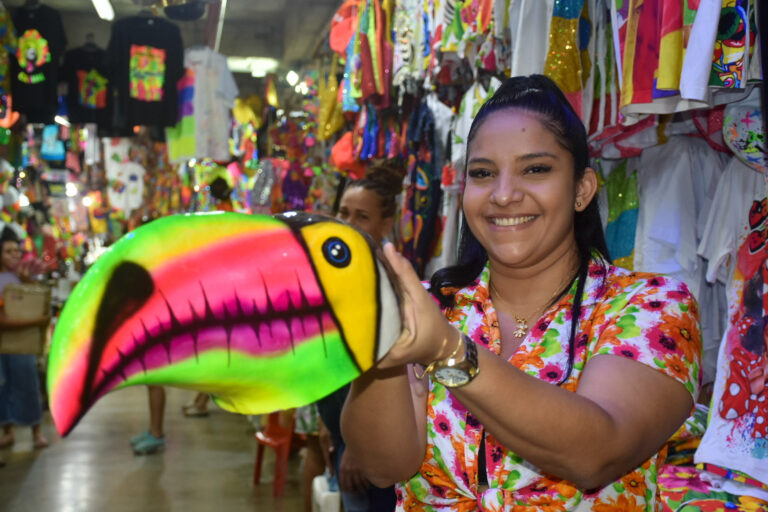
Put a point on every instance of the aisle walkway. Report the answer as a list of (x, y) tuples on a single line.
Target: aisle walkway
[(207, 464)]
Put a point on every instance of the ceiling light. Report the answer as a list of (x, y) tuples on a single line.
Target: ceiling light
[(71, 189), (62, 121), (256, 66), (87, 201), (292, 78), (104, 9)]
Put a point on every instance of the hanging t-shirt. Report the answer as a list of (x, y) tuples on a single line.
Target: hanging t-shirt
[(89, 93), (34, 70), (125, 178), (529, 23), (181, 138), (665, 240), (621, 195), (145, 55), (214, 96), (470, 105), (7, 48), (445, 250), (734, 242)]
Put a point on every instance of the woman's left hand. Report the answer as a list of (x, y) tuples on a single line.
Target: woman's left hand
[(427, 335)]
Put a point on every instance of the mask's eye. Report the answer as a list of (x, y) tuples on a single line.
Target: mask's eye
[(337, 252)]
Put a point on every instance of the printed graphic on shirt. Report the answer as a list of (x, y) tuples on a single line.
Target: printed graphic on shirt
[(32, 53), (744, 399), (92, 89), (732, 43), (147, 73)]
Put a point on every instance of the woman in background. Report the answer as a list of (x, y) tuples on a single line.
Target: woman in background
[(370, 205), (20, 398)]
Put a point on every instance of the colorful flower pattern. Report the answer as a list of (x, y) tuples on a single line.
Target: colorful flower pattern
[(647, 318)]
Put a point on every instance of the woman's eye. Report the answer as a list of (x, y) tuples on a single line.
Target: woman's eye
[(538, 169), (479, 173)]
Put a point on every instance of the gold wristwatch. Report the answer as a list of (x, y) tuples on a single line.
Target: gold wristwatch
[(458, 370)]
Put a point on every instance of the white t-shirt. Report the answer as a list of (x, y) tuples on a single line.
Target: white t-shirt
[(738, 187), (215, 93), (733, 243), (125, 179), (470, 104), (697, 65), (665, 240), (676, 185), (529, 22)]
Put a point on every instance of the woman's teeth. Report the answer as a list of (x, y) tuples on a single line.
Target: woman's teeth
[(512, 221)]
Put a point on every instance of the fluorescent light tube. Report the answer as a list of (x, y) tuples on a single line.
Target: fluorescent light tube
[(104, 9)]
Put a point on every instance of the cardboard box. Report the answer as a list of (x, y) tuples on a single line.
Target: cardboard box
[(24, 302)]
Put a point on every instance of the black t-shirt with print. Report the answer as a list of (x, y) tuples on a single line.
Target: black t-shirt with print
[(146, 60), (34, 68), (89, 94)]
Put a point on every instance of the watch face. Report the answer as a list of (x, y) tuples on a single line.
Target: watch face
[(451, 377)]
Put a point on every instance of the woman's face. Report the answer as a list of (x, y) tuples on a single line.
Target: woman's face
[(10, 256), (520, 194), (362, 208)]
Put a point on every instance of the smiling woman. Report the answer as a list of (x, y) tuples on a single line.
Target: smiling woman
[(567, 391)]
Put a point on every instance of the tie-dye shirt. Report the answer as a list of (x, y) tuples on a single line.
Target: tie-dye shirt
[(648, 318)]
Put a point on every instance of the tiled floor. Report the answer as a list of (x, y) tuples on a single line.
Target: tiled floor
[(207, 464)]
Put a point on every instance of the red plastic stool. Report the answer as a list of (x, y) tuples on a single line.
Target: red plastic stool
[(278, 437)]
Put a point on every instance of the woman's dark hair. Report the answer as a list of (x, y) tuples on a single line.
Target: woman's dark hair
[(385, 178), (541, 96), (8, 235)]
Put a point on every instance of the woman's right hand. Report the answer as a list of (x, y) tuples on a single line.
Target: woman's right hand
[(427, 335)]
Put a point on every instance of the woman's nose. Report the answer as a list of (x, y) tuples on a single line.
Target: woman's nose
[(507, 191)]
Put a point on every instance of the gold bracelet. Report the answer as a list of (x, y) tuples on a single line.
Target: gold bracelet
[(431, 366)]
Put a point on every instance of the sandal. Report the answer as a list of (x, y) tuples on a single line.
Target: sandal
[(192, 411), (150, 444), (41, 443), (139, 438)]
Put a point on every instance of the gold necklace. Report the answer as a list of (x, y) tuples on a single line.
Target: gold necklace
[(522, 322)]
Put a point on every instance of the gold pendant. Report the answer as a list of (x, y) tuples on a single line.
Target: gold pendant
[(522, 328)]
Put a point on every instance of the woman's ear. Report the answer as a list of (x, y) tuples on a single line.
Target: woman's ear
[(586, 188)]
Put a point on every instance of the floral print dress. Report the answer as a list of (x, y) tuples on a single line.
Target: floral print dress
[(651, 319)]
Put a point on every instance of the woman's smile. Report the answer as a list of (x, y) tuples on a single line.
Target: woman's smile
[(517, 221)]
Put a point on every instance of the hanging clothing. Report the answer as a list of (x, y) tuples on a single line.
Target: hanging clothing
[(565, 63), (445, 249), (35, 66), (623, 202), (529, 23), (125, 178), (420, 227), (207, 94), (473, 99), (145, 54), (647, 307), (676, 184), (181, 138), (734, 242), (8, 44), (89, 94)]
